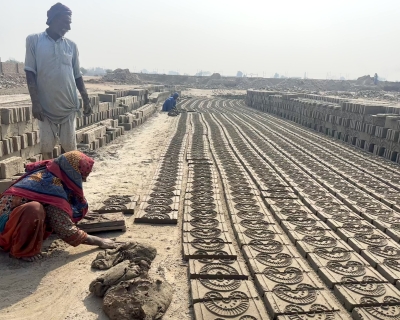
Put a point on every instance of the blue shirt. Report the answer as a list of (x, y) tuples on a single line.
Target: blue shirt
[(56, 66), (169, 104)]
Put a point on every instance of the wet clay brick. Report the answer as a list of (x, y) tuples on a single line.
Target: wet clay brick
[(309, 245), (376, 255), (331, 315), (321, 257), (264, 262), (206, 234), (263, 224), (366, 294), (383, 312), (394, 234), (363, 241), (217, 269), (349, 272), (212, 223), (390, 269), (249, 235), (276, 252), (196, 251), (290, 277), (284, 194), (248, 220), (157, 218), (172, 207), (246, 309), (201, 288), (306, 300)]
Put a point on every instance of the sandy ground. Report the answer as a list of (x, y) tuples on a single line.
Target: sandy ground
[(57, 287)]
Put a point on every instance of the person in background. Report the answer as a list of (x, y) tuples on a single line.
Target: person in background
[(53, 76), (170, 103), (375, 79), (47, 198)]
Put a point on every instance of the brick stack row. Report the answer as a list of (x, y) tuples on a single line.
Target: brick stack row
[(369, 125), (114, 112)]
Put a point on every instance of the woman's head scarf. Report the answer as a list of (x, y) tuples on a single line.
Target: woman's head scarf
[(57, 182)]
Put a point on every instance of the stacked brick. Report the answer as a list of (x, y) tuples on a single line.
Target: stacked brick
[(19, 140), (368, 125), (159, 96), (114, 112)]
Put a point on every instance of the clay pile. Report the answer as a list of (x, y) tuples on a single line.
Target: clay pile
[(121, 76), (127, 291)]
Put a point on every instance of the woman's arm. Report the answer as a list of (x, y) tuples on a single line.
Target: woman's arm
[(62, 225), (100, 242)]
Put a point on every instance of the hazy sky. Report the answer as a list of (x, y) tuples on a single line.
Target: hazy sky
[(341, 37)]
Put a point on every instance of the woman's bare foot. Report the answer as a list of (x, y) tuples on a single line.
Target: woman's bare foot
[(34, 258)]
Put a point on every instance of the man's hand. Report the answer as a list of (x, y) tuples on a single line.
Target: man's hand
[(87, 108), (37, 111)]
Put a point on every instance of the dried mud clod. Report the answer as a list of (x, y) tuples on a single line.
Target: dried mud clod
[(138, 299)]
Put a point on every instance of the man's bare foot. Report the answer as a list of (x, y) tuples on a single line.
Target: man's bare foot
[(34, 258)]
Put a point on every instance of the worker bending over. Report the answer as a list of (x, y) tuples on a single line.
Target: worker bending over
[(170, 103), (47, 199)]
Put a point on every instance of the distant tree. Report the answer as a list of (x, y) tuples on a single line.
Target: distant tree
[(108, 71), (203, 74), (83, 70), (276, 75), (239, 74), (13, 60)]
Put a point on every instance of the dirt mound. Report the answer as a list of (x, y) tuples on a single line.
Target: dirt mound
[(215, 76), (121, 76), (365, 81), (377, 95), (8, 81)]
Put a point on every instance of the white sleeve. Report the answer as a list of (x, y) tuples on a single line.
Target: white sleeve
[(75, 63), (30, 56)]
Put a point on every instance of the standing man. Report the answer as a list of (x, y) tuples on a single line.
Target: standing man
[(170, 103), (53, 76)]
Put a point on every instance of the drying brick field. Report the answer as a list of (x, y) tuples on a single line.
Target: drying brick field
[(256, 212)]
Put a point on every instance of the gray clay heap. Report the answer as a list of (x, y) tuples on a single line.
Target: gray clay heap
[(128, 293)]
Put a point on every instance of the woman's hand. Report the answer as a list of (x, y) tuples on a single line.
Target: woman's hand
[(100, 242), (107, 244)]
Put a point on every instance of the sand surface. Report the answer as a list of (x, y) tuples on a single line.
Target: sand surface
[(57, 287)]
